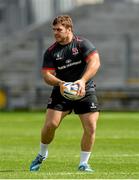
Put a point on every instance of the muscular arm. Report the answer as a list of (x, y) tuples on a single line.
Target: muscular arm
[(93, 64), (50, 78)]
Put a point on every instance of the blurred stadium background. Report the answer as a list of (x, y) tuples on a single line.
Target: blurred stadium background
[(25, 32)]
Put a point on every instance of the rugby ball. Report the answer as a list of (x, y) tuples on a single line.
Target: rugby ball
[(69, 90)]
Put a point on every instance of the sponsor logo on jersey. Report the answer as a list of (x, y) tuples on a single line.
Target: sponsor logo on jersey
[(49, 100), (75, 51), (69, 65), (68, 61)]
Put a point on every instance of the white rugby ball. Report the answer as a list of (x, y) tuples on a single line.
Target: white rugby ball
[(69, 91)]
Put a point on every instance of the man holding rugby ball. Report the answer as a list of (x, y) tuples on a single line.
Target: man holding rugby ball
[(70, 59)]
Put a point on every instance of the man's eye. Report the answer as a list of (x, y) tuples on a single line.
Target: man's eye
[(57, 29)]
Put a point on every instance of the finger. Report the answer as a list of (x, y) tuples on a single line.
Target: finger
[(79, 91)]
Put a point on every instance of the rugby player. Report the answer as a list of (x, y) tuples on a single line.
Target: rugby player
[(70, 59)]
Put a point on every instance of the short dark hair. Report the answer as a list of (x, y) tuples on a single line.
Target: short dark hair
[(64, 20)]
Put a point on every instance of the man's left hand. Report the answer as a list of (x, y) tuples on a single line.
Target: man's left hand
[(81, 83)]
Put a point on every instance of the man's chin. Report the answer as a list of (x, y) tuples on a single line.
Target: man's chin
[(59, 40)]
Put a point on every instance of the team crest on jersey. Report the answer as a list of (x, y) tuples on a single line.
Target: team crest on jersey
[(58, 57), (75, 51)]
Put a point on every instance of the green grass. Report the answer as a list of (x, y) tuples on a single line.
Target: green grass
[(115, 155)]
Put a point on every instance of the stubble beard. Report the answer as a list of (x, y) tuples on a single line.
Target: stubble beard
[(62, 40)]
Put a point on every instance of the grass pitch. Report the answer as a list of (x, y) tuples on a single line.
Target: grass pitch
[(115, 154)]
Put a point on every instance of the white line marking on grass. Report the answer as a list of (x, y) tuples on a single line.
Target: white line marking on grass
[(67, 173), (101, 155), (87, 173), (118, 155)]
